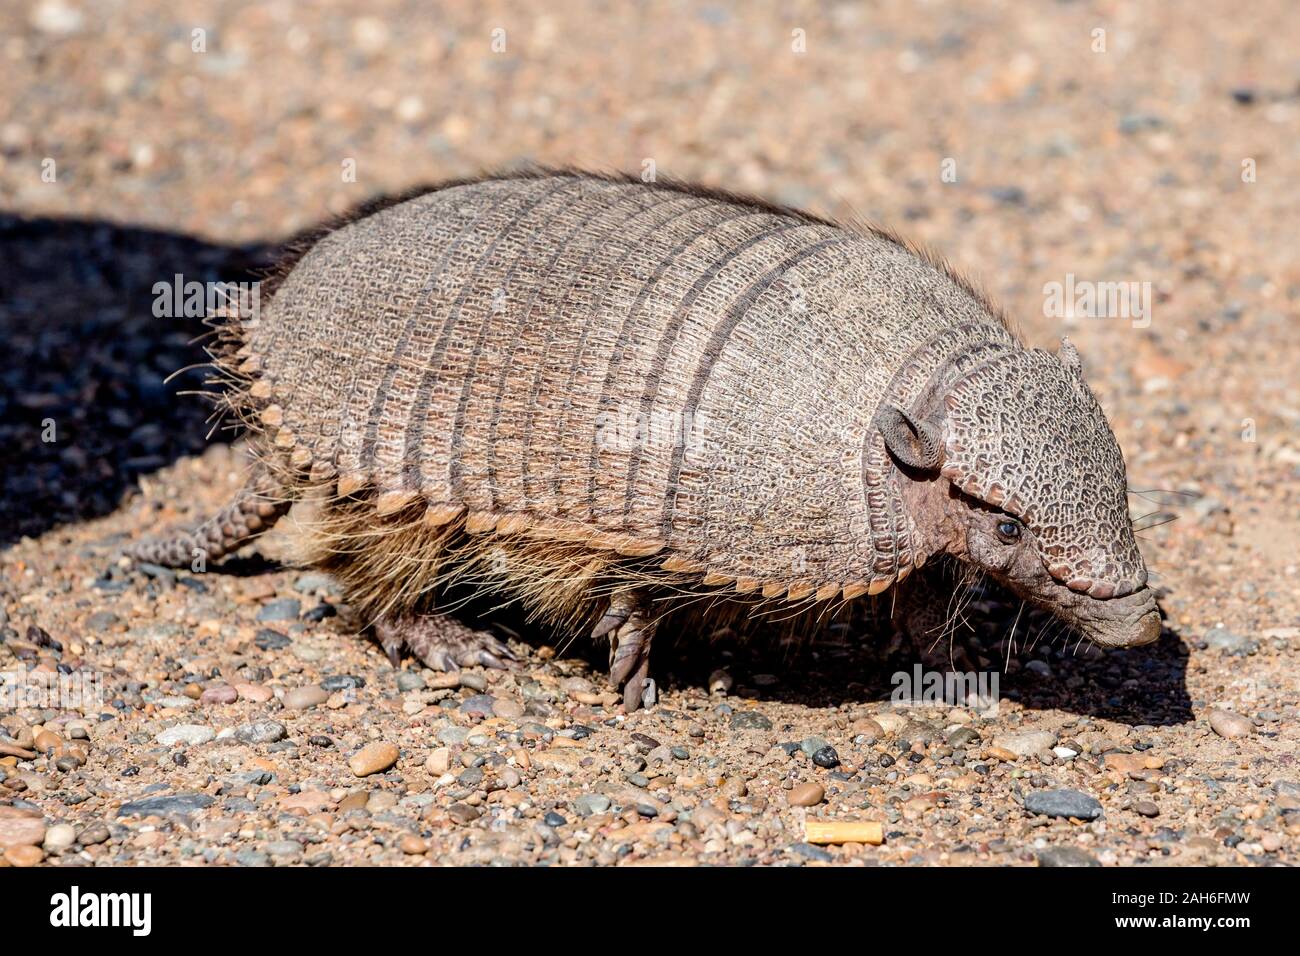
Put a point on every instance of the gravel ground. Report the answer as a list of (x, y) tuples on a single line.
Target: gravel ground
[(243, 721)]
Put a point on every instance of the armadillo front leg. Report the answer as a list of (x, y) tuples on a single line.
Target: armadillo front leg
[(927, 611), (441, 642), (630, 630)]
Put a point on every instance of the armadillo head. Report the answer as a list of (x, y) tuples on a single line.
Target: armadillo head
[(1035, 490)]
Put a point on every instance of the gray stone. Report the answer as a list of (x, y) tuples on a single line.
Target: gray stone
[(409, 681), (342, 682), (1063, 803), (269, 640), (281, 609), (471, 777), (452, 735), (590, 803), (810, 852), (261, 732), (170, 803), (312, 583), (480, 704), (1229, 642)]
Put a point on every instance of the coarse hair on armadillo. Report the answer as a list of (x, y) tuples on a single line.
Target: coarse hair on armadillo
[(401, 563), (395, 550)]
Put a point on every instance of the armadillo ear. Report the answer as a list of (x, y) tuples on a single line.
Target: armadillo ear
[(917, 444), (1069, 356)]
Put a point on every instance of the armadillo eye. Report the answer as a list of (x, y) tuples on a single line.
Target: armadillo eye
[(1009, 531)]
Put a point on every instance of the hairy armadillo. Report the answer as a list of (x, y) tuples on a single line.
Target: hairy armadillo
[(592, 394)]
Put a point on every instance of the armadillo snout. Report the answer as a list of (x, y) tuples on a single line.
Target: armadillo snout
[(1129, 621)]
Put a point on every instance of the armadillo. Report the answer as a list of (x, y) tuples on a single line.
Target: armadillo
[(601, 397)]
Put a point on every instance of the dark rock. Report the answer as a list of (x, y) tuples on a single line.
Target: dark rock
[(172, 803), (320, 612), (810, 852), (471, 777), (1063, 803), (342, 682), (826, 758), (963, 737), (269, 640), (749, 720)]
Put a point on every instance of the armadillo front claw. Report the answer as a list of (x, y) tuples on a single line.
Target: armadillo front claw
[(442, 643), (630, 633)]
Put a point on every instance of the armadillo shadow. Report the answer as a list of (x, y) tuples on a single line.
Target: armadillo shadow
[(1138, 686), (86, 406), (84, 410)]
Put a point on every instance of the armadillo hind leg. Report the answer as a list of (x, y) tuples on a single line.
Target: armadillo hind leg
[(630, 630), (441, 642), (253, 511)]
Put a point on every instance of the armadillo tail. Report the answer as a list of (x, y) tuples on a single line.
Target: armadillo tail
[(253, 511)]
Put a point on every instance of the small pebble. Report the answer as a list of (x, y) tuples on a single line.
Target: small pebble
[(1227, 724), (189, 734), (807, 795), (59, 837), (303, 698), (412, 844), (24, 856), (373, 758), (281, 609), (261, 732), (223, 694), (439, 761), (269, 640)]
